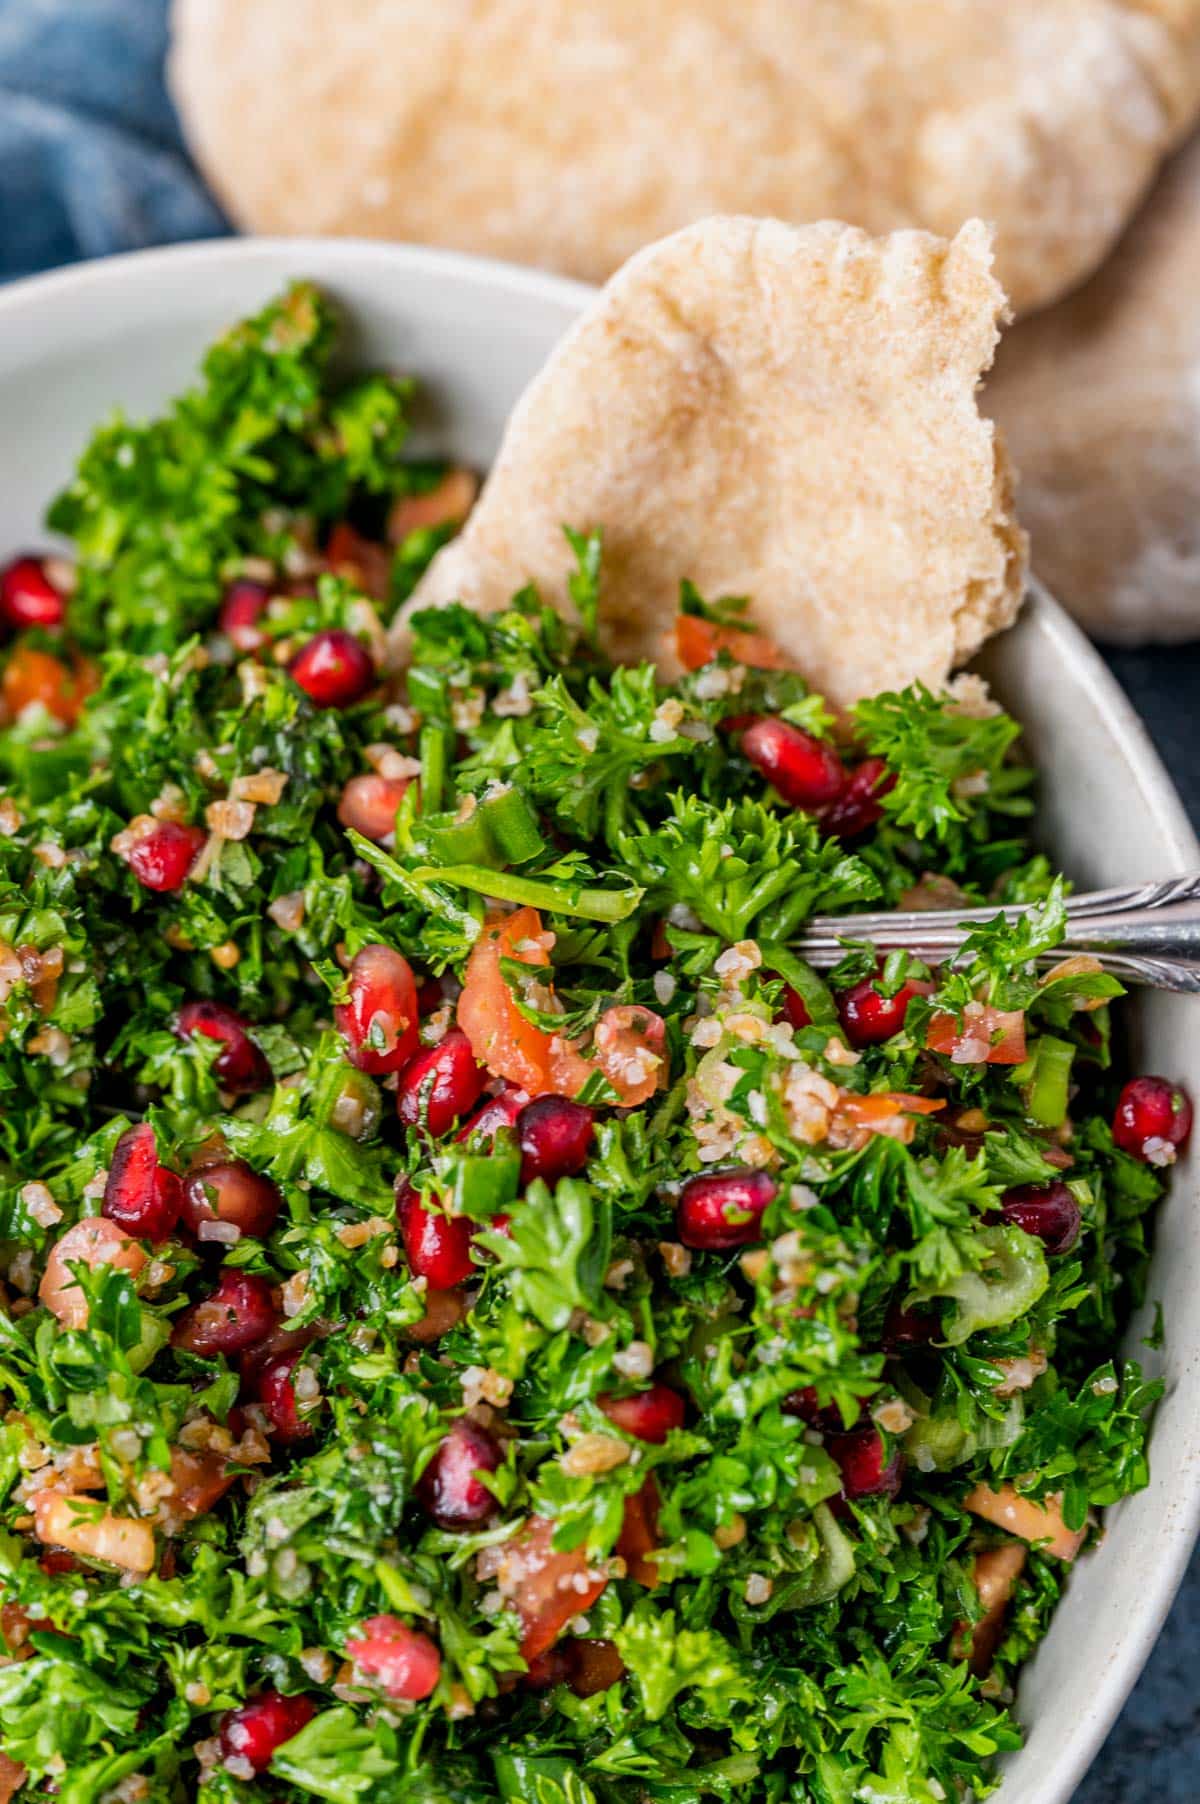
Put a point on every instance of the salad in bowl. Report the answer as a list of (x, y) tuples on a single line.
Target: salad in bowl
[(483, 1319)]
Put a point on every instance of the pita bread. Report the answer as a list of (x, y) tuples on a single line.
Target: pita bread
[(568, 136), (1100, 399), (781, 412)]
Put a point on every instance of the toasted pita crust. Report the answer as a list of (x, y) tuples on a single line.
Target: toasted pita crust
[(1100, 399), (779, 412), (570, 135)]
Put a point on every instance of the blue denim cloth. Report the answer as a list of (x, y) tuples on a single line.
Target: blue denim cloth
[(91, 161)]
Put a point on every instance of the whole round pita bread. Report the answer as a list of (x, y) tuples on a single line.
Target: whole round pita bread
[(1100, 400), (785, 413), (570, 135)]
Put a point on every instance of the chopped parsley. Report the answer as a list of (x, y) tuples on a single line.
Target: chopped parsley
[(482, 1319)]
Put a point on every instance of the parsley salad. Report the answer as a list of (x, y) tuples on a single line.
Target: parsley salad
[(482, 1319)]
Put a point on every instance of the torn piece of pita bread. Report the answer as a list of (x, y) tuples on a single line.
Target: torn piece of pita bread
[(1100, 400), (569, 135), (786, 413)]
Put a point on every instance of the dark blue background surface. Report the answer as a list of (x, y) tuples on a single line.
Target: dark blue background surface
[(91, 162)]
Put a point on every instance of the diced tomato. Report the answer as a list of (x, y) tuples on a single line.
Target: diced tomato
[(1042, 1523), (699, 642), (550, 1588), (995, 1572), (36, 676), (629, 1045), (448, 502), (1000, 1031), (889, 1112), (501, 1038), (198, 1481), (360, 560), (639, 1535)]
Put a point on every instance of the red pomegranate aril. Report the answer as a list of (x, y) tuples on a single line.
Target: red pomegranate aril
[(140, 1195), (806, 772), (233, 1317), (555, 1136), (405, 1662), (241, 1067), (228, 1190), (368, 804), (869, 1017), (441, 1085), (162, 858), (502, 1111), (333, 669), (1046, 1211), (263, 1724), (276, 1389), (795, 1009), (650, 1415), (379, 1022), (448, 1488), (806, 1404), (1153, 1120), (860, 804), (28, 597), (437, 1246), (862, 1458), (242, 607), (721, 1210)]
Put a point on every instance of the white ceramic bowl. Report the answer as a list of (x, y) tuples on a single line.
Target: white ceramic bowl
[(129, 331)]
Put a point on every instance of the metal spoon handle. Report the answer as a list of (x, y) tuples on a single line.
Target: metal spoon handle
[(1146, 933)]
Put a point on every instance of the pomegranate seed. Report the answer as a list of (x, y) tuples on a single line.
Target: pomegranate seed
[(805, 771), (441, 1085), (368, 804), (379, 1022), (860, 804), (1047, 1211), (806, 1404), (795, 1009), (141, 1195), (723, 1210), (406, 1663), (231, 1318), (502, 1111), (448, 1488), (907, 1328), (1153, 1120), (162, 858), (229, 1190), (555, 1137), (651, 1415), (243, 606), (862, 1459), (869, 1017), (27, 596), (333, 669), (437, 1246), (263, 1724), (277, 1393), (241, 1067)]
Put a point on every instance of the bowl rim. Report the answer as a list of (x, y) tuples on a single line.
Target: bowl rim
[(1157, 791)]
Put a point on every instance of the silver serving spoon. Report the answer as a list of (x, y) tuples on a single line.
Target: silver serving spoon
[(1147, 933)]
